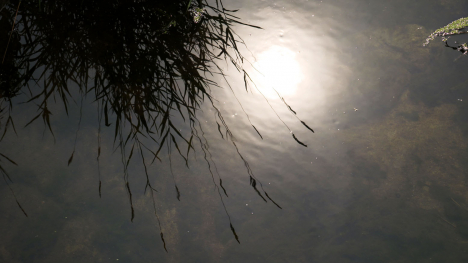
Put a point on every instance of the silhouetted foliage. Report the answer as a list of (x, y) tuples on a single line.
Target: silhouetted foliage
[(141, 61)]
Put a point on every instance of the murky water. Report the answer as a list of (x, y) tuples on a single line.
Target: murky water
[(382, 179)]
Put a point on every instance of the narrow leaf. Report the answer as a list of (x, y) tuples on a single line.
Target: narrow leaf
[(106, 116), (219, 129), (24, 212), (189, 145), (221, 184), (71, 158), (11, 161), (307, 127), (272, 200), (178, 193), (32, 120), (164, 242), (301, 143), (131, 154), (131, 202), (253, 183), (234, 232), (257, 132), (289, 107)]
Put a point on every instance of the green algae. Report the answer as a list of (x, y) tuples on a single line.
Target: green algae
[(456, 27)]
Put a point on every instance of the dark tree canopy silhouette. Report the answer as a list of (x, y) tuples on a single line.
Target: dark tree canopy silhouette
[(142, 62)]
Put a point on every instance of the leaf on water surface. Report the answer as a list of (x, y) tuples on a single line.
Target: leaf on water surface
[(301, 143), (221, 184), (307, 127), (257, 132), (234, 232), (71, 158)]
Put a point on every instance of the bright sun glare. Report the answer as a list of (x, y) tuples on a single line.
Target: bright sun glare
[(279, 70)]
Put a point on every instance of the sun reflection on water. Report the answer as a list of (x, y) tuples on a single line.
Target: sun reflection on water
[(279, 70)]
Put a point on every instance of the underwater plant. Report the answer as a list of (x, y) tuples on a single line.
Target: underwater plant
[(457, 27)]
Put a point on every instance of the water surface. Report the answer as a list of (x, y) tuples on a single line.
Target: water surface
[(382, 179)]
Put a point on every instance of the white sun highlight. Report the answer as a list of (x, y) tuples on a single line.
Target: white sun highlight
[(279, 70)]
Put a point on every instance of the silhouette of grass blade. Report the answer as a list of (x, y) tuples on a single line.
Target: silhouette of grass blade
[(161, 143), (234, 232), (272, 200), (178, 192), (221, 184), (219, 129), (307, 126), (258, 132), (106, 116), (301, 143), (5, 175), (71, 158), (189, 146), (253, 183), (289, 107), (10, 120), (131, 202), (19, 205), (164, 242), (10, 160), (31, 121)]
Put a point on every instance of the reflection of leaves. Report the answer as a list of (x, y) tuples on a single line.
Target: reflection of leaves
[(140, 61)]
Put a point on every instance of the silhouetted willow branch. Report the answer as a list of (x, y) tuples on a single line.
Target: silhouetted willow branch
[(141, 61)]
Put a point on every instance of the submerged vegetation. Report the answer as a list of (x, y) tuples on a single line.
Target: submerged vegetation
[(148, 67), (457, 27)]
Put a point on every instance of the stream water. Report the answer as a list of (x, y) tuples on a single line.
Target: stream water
[(382, 179)]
